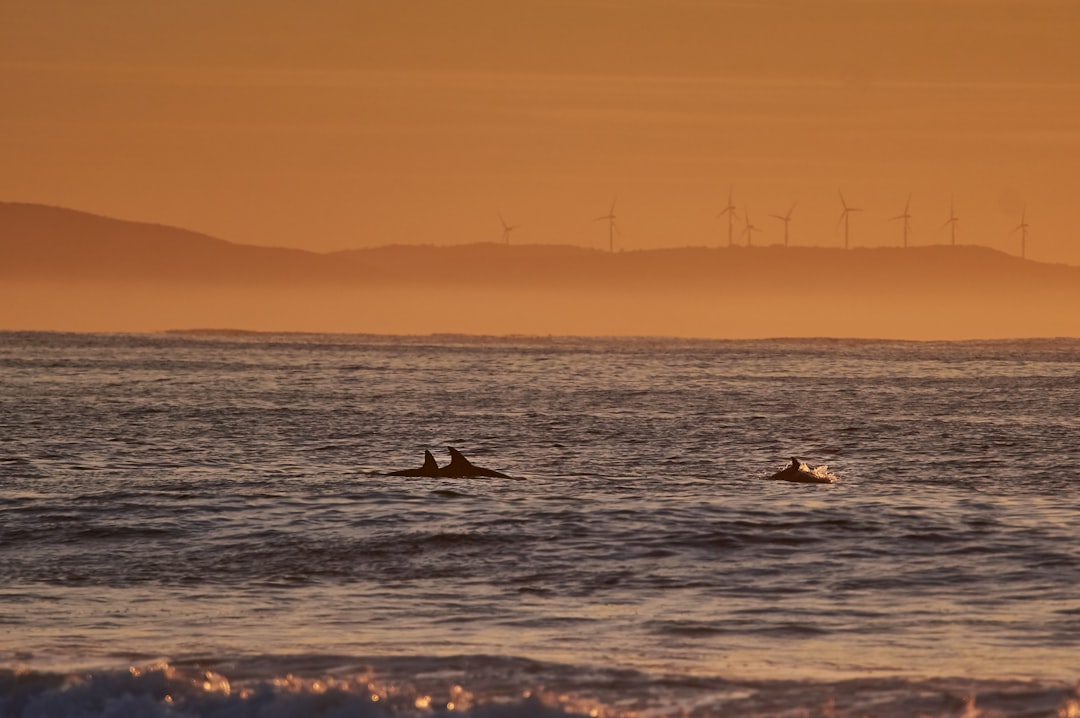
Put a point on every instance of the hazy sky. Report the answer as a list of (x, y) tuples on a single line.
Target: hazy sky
[(346, 123)]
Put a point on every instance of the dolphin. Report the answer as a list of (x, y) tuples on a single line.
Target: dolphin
[(461, 468), (429, 469), (795, 472)]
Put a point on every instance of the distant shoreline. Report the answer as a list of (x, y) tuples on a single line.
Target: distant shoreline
[(65, 270), (556, 339)]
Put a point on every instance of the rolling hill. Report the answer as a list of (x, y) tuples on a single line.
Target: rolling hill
[(61, 268)]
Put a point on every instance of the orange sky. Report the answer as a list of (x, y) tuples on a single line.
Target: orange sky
[(347, 123)]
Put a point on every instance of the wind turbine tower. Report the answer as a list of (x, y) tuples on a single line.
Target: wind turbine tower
[(951, 221), (786, 219), (731, 217), (1023, 227), (507, 229), (906, 216), (749, 229), (612, 229), (845, 217)]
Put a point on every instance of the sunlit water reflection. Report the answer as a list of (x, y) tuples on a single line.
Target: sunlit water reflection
[(178, 496)]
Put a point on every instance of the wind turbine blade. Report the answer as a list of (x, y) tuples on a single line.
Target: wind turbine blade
[(907, 205), (782, 218), (843, 202), (792, 209)]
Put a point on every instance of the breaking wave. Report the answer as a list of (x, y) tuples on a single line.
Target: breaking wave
[(491, 687)]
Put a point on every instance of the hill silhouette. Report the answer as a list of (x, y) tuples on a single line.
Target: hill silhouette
[(61, 262), (41, 242)]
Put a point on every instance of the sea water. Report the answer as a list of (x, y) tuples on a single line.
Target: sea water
[(204, 525)]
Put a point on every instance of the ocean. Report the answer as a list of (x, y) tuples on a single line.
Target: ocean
[(204, 524)]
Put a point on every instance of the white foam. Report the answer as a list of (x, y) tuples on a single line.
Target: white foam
[(166, 690)]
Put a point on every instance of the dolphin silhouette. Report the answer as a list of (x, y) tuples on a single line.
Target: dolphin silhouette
[(461, 468), (429, 469), (795, 472)]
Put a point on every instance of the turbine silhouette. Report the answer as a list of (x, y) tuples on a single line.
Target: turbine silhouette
[(906, 216), (786, 219), (951, 221), (1023, 228), (844, 217), (612, 229), (507, 229), (730, 212), (749, 229)]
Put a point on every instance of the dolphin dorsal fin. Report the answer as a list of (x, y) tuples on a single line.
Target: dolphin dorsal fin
[(457, 459), (795, 463), (429, 462)]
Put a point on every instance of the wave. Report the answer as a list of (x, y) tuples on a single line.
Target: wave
[(492, 687)]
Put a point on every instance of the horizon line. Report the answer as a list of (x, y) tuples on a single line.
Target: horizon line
[(212, 332)]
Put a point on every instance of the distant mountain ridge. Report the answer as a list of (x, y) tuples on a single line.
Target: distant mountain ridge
[(39, 242)]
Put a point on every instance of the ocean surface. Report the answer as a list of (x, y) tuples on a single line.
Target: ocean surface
[(203, 524)]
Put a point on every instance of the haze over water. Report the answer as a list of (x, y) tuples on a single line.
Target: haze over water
[(222, 503)]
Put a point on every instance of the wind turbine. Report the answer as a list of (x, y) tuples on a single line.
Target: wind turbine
[(507, 229), (1023, 227), (612, 229), (785, 218), (749, 229), (906, 216), (730, 212), (951, 221), (844, 217)]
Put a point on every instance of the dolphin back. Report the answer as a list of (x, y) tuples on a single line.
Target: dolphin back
[(461, 468), (430, 468), (795, 473)]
